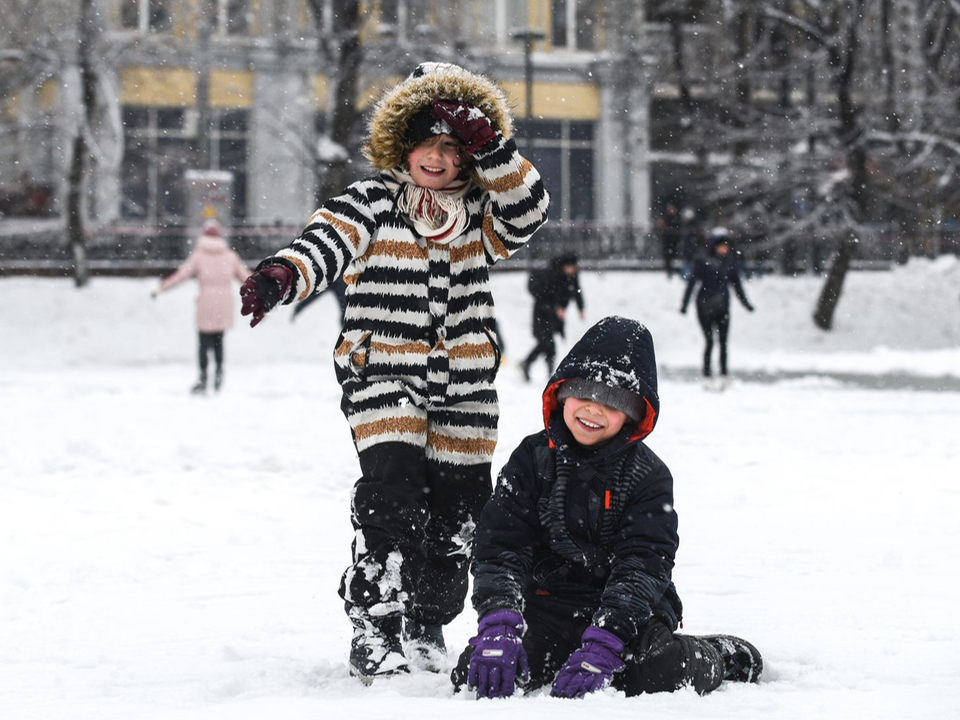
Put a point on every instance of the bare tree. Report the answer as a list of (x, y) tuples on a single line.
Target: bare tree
[(343, 58), (88, 30), (812, 150)]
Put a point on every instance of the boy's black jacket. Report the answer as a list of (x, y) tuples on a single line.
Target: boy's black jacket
[(585, 531)]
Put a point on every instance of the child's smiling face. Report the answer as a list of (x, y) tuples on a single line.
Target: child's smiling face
[(435, 163), (591, 422)]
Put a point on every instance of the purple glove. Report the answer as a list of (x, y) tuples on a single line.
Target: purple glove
[(497, 655), (592, 666), (468, 123), (260, 292)]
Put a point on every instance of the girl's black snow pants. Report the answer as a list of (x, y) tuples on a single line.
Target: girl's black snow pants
[(714, 319)]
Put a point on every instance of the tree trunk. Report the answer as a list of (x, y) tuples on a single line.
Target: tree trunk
[(833, 287), (76, 190), (343, 114), (75, 220), (844, 59)]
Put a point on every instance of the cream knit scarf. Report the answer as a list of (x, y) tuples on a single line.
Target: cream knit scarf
[(437, 215)]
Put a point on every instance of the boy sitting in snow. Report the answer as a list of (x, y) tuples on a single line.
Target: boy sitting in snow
[(574, 553)]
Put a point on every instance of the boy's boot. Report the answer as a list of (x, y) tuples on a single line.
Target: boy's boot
[(201, 387), (424, 645), (741, 660), (375, 649)]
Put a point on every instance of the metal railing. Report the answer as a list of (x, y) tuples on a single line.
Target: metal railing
[(40, 247)]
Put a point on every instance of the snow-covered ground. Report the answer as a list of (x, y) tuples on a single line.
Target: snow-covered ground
[(166, 556)]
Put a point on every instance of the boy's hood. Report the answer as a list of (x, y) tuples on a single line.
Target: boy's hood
[(430, 81), (616, 351)]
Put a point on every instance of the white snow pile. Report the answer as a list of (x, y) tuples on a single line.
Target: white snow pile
[(169, 556)]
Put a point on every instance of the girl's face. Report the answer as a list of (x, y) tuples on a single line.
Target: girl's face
[(435, 163), (591, 422)]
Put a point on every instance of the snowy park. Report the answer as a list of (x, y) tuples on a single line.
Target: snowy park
[(173, 556)]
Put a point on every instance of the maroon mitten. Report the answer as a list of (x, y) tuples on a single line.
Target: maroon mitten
[(467, 122), (260, 292)]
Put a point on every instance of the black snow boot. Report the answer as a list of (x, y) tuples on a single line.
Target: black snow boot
[(741, 660), (218, 379), (201, 387), (375, 649), (424, 645)]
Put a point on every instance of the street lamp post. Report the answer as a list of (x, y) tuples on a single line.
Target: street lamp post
[(528, 37)]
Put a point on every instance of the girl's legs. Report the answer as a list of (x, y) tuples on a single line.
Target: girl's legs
[(217, 344), (706, 325), (204, 346), (723, 328)]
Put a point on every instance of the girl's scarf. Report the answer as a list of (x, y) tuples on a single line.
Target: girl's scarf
[(437, 215)]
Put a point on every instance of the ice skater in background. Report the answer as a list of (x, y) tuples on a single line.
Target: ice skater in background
[(715, 273), (572, 575), (419, 351), (214, 265)]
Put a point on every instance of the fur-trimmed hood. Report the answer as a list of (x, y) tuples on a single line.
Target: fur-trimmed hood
[(430, 81)]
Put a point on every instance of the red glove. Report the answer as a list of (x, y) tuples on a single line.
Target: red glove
[(260, 292), (468, 123)]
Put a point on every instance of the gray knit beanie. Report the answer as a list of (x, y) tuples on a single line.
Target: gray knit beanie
[(627, 402)]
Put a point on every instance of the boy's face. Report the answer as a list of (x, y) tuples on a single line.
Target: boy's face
[(591, 422), (435, 163)]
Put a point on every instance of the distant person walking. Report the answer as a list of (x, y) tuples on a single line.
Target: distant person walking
[(714, 273), (214, 265), (669, 230), (553, 288)]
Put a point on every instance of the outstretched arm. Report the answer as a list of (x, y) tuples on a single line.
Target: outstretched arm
[(738, 289), (187, 270), (335, 235)]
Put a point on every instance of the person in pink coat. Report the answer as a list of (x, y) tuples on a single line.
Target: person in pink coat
[(214, 265)]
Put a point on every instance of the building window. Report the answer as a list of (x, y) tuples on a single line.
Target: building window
[(234, 17), (229, 136), (146, 15), (494, 22), (574, 24), (562, 151), (157, 152)]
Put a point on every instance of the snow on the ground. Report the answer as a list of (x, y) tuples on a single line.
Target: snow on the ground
[(167, 556)]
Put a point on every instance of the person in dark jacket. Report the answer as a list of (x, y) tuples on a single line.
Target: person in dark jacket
[(553, 288), (575, 551), (715, 273)]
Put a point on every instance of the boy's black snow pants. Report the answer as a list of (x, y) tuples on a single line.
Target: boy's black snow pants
[(657, 659), (414, 519)]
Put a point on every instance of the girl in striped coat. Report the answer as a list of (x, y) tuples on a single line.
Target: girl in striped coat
[(419, 350)]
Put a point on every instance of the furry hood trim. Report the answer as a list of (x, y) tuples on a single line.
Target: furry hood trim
[(386, 143)]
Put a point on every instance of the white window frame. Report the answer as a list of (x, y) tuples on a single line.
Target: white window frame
[(570, 41), (143, 17), (223, 19)]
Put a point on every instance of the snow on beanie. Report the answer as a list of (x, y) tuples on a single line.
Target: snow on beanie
[(627, 402), (423, 125)]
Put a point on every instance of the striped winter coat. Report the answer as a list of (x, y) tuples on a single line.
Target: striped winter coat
[(414, 305)]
